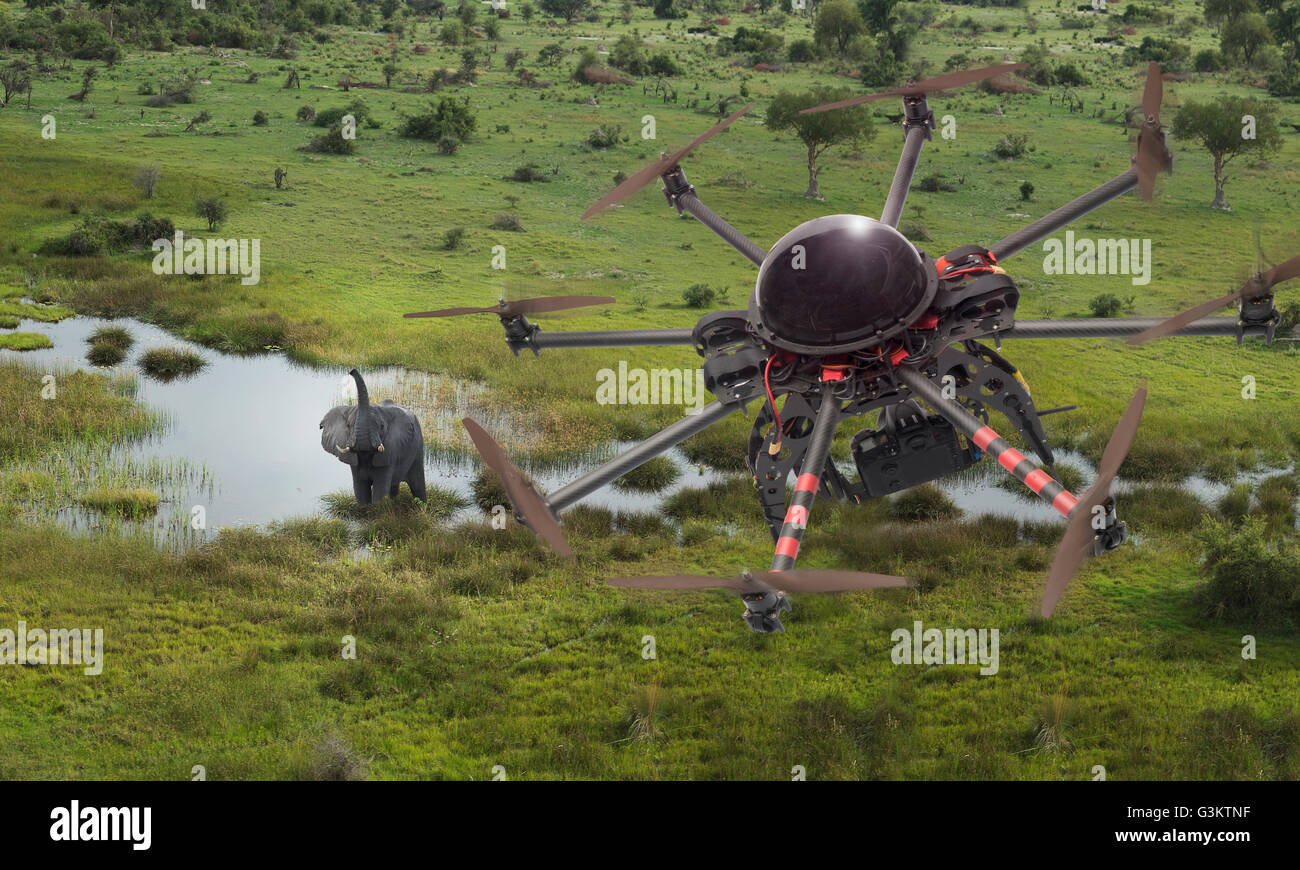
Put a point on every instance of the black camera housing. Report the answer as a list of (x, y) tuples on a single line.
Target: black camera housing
[(916, 450)]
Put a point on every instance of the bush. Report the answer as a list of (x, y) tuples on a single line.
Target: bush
[(450, 117), (529, 172), (508, 222), (261, 119), (699, 296), (448, 146), (306, 113), (1026, 190), (212, 210), (334, 116), (1105, 305), (1251, 578), (97, 235), (332, 142), (606, 136), (802, 51), (1208, 60), (1011, 146), (453, 238)]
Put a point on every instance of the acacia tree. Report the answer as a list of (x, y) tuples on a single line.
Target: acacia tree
[(1244, 36), (837, 24), (1229, 127), (566, 9), (822, 130)]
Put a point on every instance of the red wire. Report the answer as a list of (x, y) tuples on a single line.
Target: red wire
[(772, 399)]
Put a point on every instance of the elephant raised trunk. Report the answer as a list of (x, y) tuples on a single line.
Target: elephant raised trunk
[(365, 437)]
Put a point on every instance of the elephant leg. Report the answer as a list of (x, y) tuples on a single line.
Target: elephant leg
[(383, 482), (361, 487), (415, 480)]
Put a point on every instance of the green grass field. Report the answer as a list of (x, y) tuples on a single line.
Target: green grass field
[(477, 648)]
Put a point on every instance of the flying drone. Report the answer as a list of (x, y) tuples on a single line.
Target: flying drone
[(848, 317)]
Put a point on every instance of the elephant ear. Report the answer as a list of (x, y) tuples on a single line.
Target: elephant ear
[(400, 434), (338, 427)]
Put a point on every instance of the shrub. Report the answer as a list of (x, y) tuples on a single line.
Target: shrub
[(449, 117), (448, 146), (260, 119), (1026, 190), (802, 51), (508, 222), (332, 142), (529, 172), (306, 113), (1208, 60), (699, 296), (1011, 146), (331, 117), (453, 238), (1250, 577), (1105, 305), (606, 136)]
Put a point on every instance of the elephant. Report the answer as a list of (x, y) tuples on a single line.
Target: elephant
[(383, 444)]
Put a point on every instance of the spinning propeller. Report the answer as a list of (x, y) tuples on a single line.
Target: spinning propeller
[(529, 507), (649, 173), (522, 306), (921, 88), (794, 581), (1079, 534), (1258, 286), (1152, 155)]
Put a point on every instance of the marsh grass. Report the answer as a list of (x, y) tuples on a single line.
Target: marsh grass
[(105, 355), (134, 502), (9, 321), (24, 341), (112, 336), (654, 476), (170, 363)]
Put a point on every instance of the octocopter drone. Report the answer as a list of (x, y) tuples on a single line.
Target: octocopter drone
[(848, 317)]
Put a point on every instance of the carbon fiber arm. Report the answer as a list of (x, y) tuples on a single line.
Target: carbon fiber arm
[(681, 196), (1122, 327), (1071, 211)]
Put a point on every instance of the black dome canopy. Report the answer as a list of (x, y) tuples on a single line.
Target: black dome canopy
[(839, 282)]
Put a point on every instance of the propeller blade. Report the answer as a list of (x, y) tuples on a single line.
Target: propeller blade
[(832, 581), (1121, 440), (1285, 272), (794, 581), (1153, 93), (1152, 156), (1178, 321), (522, 306), (525, 500), (450, 312), (1079, 534), (554, 303), (928, 86), (649, 173)]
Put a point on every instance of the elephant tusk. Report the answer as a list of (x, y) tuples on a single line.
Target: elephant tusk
[(341, 448), (381, 448)]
